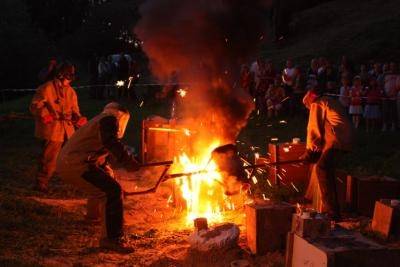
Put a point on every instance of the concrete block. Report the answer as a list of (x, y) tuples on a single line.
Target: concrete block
[(340, 249), (267, 225), (310, 226), (386, 220)]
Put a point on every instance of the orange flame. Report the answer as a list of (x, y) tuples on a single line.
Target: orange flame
[(202, 192)]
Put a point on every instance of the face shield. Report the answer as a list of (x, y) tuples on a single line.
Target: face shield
[(309, 98), (122, 123), (121, 114)]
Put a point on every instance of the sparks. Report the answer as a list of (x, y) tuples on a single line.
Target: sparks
[(254, 180), (269, 183), (120, 83), (295, 188), (286, 149), (141, 104), (182, 92)]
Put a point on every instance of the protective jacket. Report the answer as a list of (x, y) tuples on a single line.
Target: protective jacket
[(92, 144), (328, 126), (60, 102)]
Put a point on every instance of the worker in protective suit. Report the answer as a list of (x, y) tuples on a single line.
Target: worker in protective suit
[(84, 163), (329, 134), (56, 112)]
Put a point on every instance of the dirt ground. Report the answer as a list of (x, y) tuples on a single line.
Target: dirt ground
[(156, 229)]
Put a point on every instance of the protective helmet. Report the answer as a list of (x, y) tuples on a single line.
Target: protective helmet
[(122, 115)]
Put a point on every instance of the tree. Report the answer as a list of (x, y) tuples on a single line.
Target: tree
[(25, 47)]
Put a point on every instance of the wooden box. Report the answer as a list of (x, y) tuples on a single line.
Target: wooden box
[(163, 139), (310, 227), (365, 191), (287, 173), (340, 249), (267, 225), (386, 220)]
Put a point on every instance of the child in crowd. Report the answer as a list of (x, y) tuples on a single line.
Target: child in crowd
[(355, 108), (274, 97), (344, 93), (372, 109)]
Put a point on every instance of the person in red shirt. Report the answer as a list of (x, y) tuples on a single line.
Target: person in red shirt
[(372, 109), (355, 108)]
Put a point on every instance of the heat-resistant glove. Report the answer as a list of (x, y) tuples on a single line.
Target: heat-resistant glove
[(81, 121), (47, 119), (310, 156)]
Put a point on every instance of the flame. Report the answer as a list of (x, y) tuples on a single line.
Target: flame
[(203, 193)]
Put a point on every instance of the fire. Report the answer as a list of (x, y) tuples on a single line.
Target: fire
[(202, 192)]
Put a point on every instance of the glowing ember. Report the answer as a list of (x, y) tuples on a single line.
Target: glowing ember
[(120, 83), (202, 192), (182, 92)]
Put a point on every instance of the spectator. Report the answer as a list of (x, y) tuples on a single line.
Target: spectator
[(245, 78), (390, 92), (376, 73), (48, 73), (255, 71), (122, 74), (364, 75), (372, 112), (265, 76), (103, 77), (344, 93), (355, 109), (313, 70), (274, 98), (288, 77)]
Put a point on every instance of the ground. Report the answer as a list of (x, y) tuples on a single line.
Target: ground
[(50, 230)]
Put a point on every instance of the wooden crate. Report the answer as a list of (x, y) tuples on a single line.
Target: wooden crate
[(340, 249), (163, 139), (267, 225), (363, 192), (386, 220), (296, 173)]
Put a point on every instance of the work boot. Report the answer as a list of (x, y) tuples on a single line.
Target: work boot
[(118, 245)]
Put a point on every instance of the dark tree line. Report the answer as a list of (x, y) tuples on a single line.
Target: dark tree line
[(32, 31)]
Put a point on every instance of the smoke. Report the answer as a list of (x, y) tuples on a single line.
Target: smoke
[(205, 41)]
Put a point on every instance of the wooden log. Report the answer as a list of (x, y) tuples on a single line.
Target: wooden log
[(267, 225)]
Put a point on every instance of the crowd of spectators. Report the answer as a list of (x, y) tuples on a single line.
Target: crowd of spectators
[(114, 76), (370, 92)]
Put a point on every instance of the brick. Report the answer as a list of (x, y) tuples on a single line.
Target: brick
[(267, 225), (386, 220), (340, 249)]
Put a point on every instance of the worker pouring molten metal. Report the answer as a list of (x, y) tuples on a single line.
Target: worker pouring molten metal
[(329, 134), (83, 162)]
